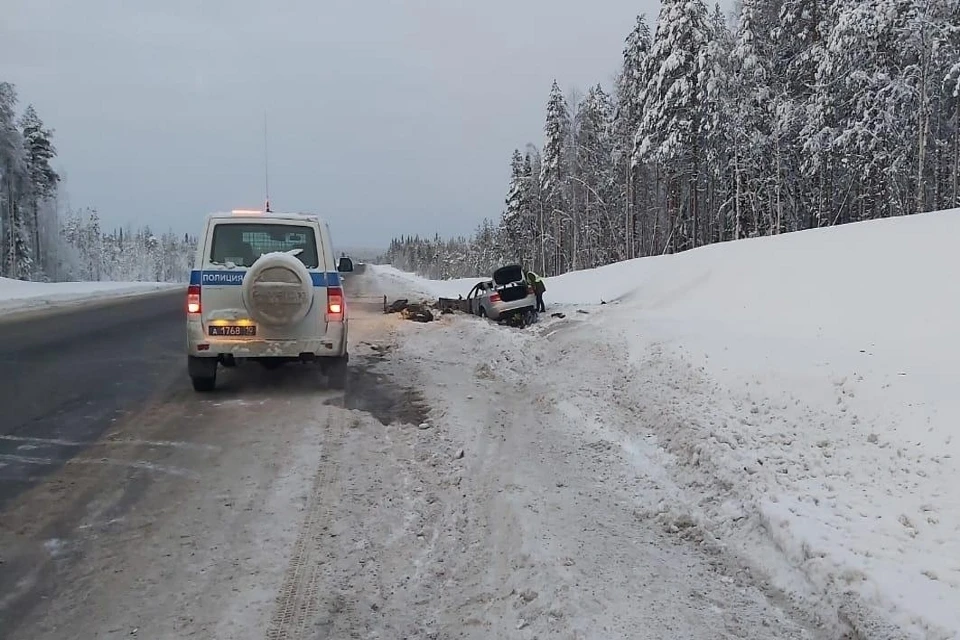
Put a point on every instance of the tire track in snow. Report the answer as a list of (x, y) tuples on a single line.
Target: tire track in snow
[(297, 601)]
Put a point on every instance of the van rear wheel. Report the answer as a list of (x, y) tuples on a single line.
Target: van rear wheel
[(204, 385), (203, 373), (337, 372)]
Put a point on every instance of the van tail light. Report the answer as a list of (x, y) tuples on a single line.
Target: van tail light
[(193, 298), (494, 297), (334, 304)]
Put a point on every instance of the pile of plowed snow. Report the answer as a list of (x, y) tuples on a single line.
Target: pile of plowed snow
[(804, 392), (397, 282), (19, 296)]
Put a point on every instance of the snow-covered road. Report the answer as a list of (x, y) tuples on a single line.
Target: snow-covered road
[(561, 528), (454, 491), (801, 422)]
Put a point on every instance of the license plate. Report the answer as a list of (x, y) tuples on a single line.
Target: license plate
[(232, 331)]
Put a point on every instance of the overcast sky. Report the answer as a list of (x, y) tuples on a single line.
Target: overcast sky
[(386, 117)]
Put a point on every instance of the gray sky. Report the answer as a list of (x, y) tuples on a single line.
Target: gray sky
[(385, 117)]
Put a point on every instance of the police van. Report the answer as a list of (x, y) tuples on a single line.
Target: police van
[(265, 287)]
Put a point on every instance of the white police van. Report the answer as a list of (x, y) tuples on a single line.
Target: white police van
[(265, 287)]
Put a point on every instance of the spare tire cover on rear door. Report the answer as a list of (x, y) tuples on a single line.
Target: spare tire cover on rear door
[(277, 290)]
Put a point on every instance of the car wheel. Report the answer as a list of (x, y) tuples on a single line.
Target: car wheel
[(337, 372), (204, 385), (203, 373)]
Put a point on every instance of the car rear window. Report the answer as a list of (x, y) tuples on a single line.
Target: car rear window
[(242, 244)]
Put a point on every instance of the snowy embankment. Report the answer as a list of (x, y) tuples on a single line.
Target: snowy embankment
[(17, 296), (795, 399), (395, 282), (581, 287)]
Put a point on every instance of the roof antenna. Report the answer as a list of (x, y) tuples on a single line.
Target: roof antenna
[(266, 162)]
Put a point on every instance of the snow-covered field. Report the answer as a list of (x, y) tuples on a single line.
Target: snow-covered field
[(792, 400), (19, 296)]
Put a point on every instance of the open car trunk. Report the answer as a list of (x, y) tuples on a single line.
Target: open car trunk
[(513, 292), (510, 283), (508, 275)]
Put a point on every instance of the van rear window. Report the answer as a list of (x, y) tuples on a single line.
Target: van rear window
[(243, 243)]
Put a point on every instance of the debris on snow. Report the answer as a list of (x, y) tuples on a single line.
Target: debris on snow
[(397, 306), (484, 371), (417, 312)]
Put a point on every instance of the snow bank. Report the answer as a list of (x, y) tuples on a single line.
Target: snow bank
[(804, 388), (20, 296), (603, 284), (397, 282)]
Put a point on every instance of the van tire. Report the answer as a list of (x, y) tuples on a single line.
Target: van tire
[(203, 373), (337, 372), (204, 385)]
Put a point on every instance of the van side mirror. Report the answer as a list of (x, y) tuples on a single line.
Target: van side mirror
[(345, 265)]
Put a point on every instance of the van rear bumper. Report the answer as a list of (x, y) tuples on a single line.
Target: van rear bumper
[(333, 344)]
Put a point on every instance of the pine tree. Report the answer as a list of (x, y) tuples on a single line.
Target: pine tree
[(633, 180), (802, 130), (595, 178), (42, 179), (518, 223), (513, 213), (672, 129), (717, 140), (553, 173), (807, 113), (14, 249), (750, 105)]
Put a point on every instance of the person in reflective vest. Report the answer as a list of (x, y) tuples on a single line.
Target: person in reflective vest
[(538, 288)]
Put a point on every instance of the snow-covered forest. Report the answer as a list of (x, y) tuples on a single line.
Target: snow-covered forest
[(789, 115), (37, 242)]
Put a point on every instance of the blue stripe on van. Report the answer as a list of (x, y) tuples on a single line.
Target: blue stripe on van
[(235, 278)]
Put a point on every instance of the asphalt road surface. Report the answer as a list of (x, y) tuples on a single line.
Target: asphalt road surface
[(69, 377), (118, 481)]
